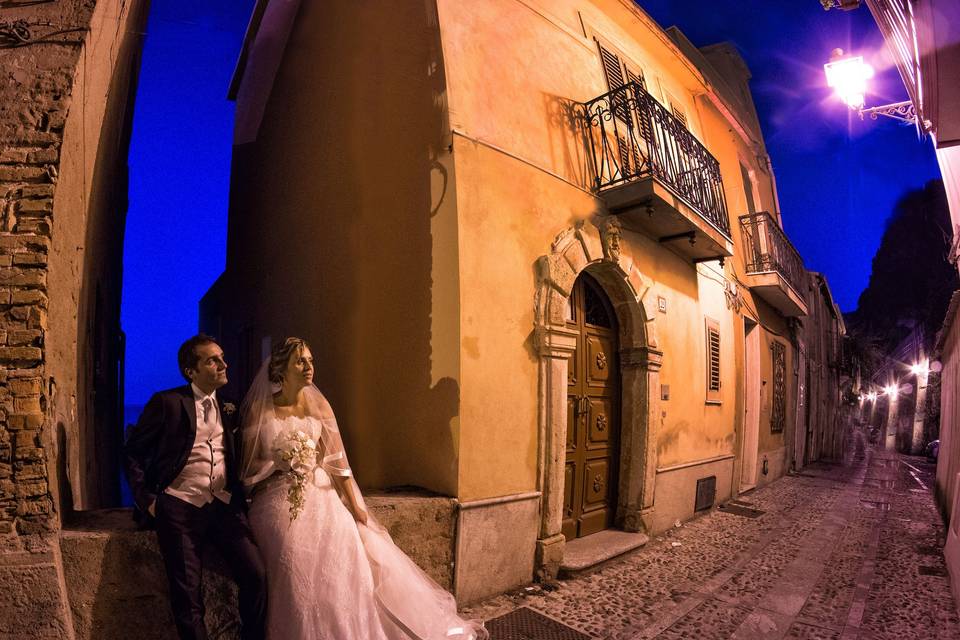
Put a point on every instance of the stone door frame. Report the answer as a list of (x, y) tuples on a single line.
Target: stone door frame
[(595, 246)]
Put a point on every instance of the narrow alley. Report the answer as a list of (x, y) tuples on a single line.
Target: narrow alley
[(838, 552)]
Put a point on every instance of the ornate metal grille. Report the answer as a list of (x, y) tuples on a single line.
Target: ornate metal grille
[(632, 136), (768, 249), (595, 311), (526, 624), (779, 409)]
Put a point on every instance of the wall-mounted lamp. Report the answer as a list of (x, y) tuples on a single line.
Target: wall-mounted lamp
[(848, 76)]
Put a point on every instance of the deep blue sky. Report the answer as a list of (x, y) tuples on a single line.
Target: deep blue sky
[(838, 177), (175, 244)]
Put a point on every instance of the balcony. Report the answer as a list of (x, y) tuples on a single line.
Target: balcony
[(655, 175), (774, 268)]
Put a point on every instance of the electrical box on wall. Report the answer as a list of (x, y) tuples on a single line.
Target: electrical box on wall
[(661, 304), (664, 392)]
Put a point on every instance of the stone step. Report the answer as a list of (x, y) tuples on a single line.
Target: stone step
[(590, 552)]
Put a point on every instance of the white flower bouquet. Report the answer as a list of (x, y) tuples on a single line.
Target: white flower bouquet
[(296, 455)]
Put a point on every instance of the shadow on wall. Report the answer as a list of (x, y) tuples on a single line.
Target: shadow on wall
[(335, 213), (65, 489), (569, 139), (118, 587)]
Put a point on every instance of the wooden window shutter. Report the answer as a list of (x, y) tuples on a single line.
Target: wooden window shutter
[(635, 77), (612, 69), (748, 188), (679, 114), (713, 360), (676, 109)]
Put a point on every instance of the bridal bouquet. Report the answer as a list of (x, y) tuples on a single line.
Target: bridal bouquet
[(296, 453)]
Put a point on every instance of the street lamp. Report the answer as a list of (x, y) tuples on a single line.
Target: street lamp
[(848, 76)]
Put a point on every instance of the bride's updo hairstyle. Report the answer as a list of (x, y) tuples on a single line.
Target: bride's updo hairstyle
[(280, 357)]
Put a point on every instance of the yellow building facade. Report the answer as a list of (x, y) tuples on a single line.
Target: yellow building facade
[(536, 248)]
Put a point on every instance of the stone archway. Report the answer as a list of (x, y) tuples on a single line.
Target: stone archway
[(585, 247)]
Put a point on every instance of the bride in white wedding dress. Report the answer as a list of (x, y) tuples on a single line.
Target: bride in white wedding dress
[(333, 573)]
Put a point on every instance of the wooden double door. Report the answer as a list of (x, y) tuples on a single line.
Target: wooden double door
[(593, 414)]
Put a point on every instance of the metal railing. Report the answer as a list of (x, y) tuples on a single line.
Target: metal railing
[(768, 249), (632, 136)]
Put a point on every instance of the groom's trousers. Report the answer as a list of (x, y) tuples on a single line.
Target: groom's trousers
[(183, 530)]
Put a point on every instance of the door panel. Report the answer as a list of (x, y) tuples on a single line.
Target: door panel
[(593, 414), (600, 356), (600, 423)]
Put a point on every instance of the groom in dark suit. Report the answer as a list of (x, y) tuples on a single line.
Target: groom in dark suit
[(182, 464)]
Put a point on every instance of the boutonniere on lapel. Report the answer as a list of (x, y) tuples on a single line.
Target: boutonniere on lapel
[(229, 408)]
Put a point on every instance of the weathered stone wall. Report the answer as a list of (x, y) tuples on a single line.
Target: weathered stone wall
[(116, 580), (44, 55), (34, 100)]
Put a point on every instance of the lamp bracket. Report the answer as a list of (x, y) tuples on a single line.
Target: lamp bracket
[(903, 111)]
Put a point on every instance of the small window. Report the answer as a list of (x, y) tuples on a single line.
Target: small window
[(713, 361), (595, 308)]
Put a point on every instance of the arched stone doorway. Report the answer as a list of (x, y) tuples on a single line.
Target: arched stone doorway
[(595, 247), (593, 413)]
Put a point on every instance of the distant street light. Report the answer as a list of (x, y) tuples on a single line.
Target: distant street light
[(921, 368), (848, 76)]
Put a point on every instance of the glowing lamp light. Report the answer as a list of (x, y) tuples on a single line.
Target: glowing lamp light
[(848, 77), (891, 390), (872, 396), (921, 368)]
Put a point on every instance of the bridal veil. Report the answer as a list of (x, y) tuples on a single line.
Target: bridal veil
[(411, 604)]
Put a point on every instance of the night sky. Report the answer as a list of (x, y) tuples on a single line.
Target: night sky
[(176, 236), (838, 178)]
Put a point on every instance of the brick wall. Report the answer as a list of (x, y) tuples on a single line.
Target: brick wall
[(34, 100), (49, 74)]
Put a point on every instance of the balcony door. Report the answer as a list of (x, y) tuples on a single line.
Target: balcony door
[(593, 414), (628, 136)]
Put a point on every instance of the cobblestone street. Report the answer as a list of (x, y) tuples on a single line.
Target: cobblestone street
[(839, 553)]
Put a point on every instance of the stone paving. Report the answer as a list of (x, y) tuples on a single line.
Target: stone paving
[(837, 555)]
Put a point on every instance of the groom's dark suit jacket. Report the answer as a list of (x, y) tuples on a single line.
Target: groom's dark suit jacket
[(159, 444)]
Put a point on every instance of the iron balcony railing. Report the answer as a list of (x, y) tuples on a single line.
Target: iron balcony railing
[(632, 137), (769, 250)]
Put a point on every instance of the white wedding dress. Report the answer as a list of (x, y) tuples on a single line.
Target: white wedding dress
[(331, 578)]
